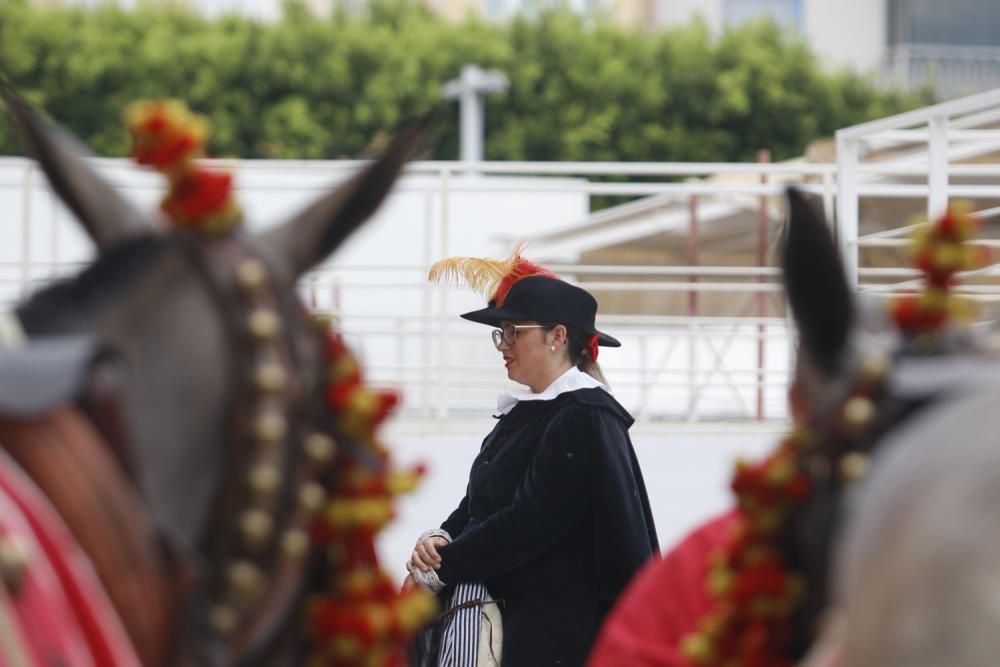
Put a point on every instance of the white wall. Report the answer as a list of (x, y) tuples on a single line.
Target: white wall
[(687, 475), (849, 33), (843, 33), (416, 226), (681, 12)]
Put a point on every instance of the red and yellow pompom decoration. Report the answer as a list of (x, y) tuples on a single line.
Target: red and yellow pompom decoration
[(940, 251), (755, 593), (169, 138), (363, 620)]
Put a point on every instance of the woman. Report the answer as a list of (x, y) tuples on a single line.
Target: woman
[(555, 520)]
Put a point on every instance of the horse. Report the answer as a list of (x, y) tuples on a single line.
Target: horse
[(861, 375), (204, 441), (916, 575)]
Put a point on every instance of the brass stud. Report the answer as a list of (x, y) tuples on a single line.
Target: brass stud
[(14, 557), (853, 466), (270, 427), (256, 526), (270, 377), (311, 497), (251, 274), (320, 448), (263, 323), (874, 367), (265, 479), (858, 411), (245, 578), (223, 619), (295, 543)]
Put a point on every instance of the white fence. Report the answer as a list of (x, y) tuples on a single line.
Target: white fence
[(690, 367), (950, 70)]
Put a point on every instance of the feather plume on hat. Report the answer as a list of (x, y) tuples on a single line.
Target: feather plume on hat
[(492, 278)]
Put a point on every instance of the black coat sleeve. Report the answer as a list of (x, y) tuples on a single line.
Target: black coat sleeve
[(552, 498), (457, 520)]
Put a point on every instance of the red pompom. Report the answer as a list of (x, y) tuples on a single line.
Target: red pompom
[(198, 194), (592, 345)]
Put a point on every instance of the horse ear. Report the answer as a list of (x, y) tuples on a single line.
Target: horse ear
[(816, 284), (310, 236), (105, 215)]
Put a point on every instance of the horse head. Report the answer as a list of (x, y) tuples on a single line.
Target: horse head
[(864, 373), (244, 418)]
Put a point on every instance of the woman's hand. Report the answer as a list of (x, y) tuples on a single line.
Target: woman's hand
[(425, 555)]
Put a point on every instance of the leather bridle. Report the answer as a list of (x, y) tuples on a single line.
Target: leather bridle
[(277, 465)]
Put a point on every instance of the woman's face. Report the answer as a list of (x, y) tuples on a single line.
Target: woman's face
[(530, 359)]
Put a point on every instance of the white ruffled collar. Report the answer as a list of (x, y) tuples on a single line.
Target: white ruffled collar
[(571, 380)]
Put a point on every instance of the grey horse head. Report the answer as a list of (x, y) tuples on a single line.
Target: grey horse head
[(164, 300)]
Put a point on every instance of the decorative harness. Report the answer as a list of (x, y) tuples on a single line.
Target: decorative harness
[(754, 582)]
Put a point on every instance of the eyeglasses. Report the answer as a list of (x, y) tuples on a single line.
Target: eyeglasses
[(508, 333)]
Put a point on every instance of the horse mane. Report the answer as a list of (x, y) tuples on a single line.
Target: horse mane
[(65, 305)]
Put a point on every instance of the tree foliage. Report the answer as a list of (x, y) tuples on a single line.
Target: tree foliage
[(581, 89)]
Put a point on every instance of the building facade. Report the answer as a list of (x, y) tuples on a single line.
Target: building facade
[(953, 45)]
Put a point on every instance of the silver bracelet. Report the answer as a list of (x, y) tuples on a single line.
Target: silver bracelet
[(435, 532)]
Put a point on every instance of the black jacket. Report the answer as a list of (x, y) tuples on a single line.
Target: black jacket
[(555, 521)]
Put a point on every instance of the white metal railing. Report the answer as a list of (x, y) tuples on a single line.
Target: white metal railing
[(687, 367), (946, 132)]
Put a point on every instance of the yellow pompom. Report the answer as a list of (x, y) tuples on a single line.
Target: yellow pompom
[(346, 648), (698, 649), (720, 581), (780, 471), (402, 482), (949, 257), (934, 300)]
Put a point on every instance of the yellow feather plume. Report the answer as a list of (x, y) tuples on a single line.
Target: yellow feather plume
[(480, 274)]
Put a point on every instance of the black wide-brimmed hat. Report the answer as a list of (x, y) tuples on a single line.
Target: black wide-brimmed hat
[(521, 290), (545, 299)]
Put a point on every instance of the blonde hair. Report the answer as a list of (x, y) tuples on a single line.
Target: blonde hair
[(578, 349)]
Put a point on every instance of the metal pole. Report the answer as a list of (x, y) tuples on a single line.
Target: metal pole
[(693, 251), (427, 337), (937, 175), (828, 196), (846, 227), (471, 125), (693, 248), (763, 157), (443, 342)]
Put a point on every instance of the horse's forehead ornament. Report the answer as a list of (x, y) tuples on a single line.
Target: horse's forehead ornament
[(169, 138), (343, 482)]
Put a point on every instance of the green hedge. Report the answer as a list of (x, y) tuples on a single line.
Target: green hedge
[(310, 88)]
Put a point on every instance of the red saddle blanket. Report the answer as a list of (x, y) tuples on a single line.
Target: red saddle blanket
[(662, 604), (52, 607)]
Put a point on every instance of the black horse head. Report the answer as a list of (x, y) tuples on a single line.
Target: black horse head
[(859, 378)]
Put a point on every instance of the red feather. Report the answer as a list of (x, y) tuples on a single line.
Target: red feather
[(522, 269)]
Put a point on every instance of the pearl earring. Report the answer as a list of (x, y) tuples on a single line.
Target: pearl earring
[(553, 348)]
